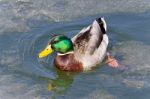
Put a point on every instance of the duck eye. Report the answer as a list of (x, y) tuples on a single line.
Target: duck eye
[(52, 42), (55, 41)]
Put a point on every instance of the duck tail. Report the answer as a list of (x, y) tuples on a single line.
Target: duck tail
[(102, 24)]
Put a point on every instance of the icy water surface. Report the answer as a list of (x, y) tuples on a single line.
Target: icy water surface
[(27, 25)]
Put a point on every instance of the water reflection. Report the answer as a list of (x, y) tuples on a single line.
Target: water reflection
[(62, 83)]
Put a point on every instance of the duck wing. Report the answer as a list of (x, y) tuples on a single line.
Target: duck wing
[(90, 38)]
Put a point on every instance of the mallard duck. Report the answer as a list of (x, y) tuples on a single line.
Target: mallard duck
[(84, 51)]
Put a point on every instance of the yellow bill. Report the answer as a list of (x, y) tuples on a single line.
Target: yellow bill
[(48, 50)]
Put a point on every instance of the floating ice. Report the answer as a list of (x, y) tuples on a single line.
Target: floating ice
[(136, 57), (99, 94), (16, 15)]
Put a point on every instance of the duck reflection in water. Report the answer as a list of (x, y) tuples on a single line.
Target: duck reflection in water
[(62, 83)]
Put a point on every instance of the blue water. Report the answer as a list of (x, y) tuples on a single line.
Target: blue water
[(27, 25)]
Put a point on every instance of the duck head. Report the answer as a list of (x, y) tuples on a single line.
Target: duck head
[(60, 44)]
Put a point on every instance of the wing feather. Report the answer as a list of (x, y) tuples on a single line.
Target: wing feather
[(90, 38)]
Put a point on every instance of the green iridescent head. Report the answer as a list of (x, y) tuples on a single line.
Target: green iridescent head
[(60, 43)]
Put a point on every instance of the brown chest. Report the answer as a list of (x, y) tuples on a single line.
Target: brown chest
[(68, 63)]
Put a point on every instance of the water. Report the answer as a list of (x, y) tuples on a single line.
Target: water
[(26, 26)]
